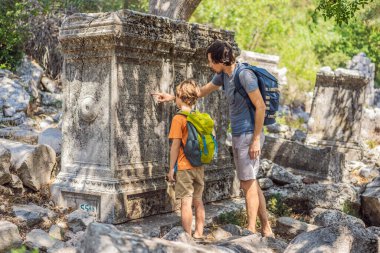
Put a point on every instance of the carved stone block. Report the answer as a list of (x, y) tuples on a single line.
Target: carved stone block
[(115, 148)]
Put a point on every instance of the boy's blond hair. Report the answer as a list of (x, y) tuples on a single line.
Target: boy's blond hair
[(188, 91)]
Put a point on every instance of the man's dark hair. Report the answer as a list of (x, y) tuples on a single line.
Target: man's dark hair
[(221, 52)]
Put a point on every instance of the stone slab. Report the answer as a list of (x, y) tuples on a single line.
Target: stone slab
[(324, 163)]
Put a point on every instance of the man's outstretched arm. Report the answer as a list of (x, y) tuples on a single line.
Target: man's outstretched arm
[(207, 89), (203, 91)]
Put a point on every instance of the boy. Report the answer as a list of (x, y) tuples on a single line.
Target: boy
[(189, 180)]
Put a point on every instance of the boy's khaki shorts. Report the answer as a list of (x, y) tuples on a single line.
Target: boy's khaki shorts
[(190, 183)]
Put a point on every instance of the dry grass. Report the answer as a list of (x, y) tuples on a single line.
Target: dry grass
[(360, 180)]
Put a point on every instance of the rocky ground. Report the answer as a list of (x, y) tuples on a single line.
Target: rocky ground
[(307, 214)]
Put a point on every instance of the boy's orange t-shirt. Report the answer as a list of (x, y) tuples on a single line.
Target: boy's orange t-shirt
[(178, 130)]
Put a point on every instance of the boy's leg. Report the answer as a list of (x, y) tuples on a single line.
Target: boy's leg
[(199, 217), (198, 203), (184, 191), (251, 201), (186, 214)]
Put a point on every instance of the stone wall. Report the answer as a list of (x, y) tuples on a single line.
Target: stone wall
[(336, 112), (363, 64), (115, 147)]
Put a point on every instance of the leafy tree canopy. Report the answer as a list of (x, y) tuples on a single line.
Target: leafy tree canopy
[(341, 10), (291, 29)]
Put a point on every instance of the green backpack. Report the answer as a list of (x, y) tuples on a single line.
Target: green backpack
[(201, 146)]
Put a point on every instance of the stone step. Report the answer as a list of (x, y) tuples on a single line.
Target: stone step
[(159, 225)]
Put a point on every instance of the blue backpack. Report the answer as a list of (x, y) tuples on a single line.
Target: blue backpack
[(268, 86)]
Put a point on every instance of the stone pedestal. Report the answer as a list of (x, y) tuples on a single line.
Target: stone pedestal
[(115, 149), (336, 112)]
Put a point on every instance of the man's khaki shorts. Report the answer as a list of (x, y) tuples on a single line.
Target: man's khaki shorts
[(190, 183), (246, 168)]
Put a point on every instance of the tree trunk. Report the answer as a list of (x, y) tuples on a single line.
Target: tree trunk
[(175, 9)]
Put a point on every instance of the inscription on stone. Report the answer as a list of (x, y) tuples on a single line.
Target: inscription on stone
[(87, 208), (85, 202)]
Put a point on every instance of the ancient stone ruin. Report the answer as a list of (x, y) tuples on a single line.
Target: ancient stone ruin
[(322, 163), (363, 64), (267, 61), (115, 147), (336, 113)]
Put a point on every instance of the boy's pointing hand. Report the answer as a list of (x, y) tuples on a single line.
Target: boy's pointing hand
[(163, 97)]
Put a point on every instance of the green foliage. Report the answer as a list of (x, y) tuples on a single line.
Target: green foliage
[(277, 206), (335, 60), (293, 30), (16, 17), (13, 31), (238, 217), (341, 10), (360, 35), (274, 27), (281, 120), (266, 132), (137, 5), (293, 123), (351, 209), (23, 249), (372, 144)]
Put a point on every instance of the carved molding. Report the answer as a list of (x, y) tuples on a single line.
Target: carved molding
[(89, 35), (130, 185), (345, 81)]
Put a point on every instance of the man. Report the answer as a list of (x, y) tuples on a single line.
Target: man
[(247, 133)]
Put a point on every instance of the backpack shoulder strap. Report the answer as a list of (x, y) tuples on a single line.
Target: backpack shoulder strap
[(191, 130), (183, 113), (240, 89), (223, 88)]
